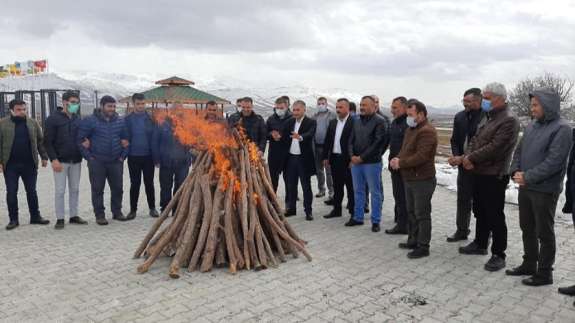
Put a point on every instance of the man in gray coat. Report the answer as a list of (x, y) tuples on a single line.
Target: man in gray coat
[(539, 166), (322, 117)]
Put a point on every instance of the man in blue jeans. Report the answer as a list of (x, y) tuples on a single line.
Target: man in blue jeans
[(366, 145), (102, 140)]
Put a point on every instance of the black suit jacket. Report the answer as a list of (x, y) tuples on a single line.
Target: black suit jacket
[(344, 140), (307, 132)]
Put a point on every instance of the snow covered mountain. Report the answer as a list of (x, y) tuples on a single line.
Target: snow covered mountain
[(93, 85)]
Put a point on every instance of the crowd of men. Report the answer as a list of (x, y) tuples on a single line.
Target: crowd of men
[(343, 149)]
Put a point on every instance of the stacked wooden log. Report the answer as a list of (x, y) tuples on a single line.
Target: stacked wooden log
[(226, 213)]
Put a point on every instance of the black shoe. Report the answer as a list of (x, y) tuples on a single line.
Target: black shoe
[(101, 221), (77, 220), (320, 194), (418, 253), (12, 226), (119, 217), (405, 245), (457, 236), (522, 270), (131, 215), (332, 214), (366, 209), (329, 201), (495, 263), (472, 249), (59, 224), (154, 213), (308, 217), (396, 230), (567, 209), (289, 213), (39, 220), (352, 223), (538, 280), (567, 290), (375, 227)]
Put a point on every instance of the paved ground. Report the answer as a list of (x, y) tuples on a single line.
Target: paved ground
[(86, 274)]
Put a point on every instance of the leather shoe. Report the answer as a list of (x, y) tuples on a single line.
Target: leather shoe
[(352, 223), (521, 271), (101, 221), (457, 237), (77, 220), (538, 280), (472, 249), (39, 220), (289, 213), (12, 226), (320, 194), (375, 227), (120, 217), (332, 214), (154, 213), (59, 224), (418, 253), (570, 290), (309, 217), (131, 215), (396, 230)]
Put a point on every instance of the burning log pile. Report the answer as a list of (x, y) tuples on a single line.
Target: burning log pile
[(226, 212)]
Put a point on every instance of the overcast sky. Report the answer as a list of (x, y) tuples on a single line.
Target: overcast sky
[(432, 50)]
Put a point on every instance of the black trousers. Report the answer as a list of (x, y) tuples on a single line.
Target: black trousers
[(100, 172), (277, 169), (488, 206), (418, 195), (341, 175), (464, 200), (400, 208), (29, 174), (139, 166), (296, 169), (537, 222), (171, 178)]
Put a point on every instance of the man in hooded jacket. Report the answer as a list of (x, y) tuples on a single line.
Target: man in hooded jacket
[(539, 166)]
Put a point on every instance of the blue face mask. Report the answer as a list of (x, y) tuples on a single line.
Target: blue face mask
[(411, 122), (486, 105)]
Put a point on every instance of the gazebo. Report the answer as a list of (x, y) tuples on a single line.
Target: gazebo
[(176, 90)]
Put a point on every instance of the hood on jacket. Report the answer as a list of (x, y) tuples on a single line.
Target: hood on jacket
[(550, 101)]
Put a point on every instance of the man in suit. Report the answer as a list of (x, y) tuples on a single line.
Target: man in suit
[(300, 133), (336, 156)]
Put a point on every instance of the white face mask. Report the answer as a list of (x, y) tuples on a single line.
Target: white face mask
[(411, 122), (322, 108), (280, 112)]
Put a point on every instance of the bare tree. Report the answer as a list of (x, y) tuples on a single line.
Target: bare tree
[(519, 100)]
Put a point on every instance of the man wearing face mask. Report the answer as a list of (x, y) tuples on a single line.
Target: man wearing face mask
[(60, 132), (489, 156), (416, 161), (278, 148), (21, 141), (465, 126), (323, 117), (106, 133)]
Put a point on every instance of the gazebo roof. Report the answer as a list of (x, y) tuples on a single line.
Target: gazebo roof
[(174, 80), (177, 90)]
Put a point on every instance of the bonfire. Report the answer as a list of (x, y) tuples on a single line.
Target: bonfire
[(226, 212)]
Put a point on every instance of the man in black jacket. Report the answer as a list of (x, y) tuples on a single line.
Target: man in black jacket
[(366, 144), (396, 134), (336, 156), (465, 125), (253, 124), (300, 133), (278, 148), (60, 132)]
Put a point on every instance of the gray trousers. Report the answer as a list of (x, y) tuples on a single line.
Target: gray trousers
[(70, 176), (418, 196), (322, 178), (464, 200), (537, 221)]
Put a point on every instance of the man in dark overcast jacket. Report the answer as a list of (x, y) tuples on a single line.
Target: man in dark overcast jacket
[(253, 123)]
